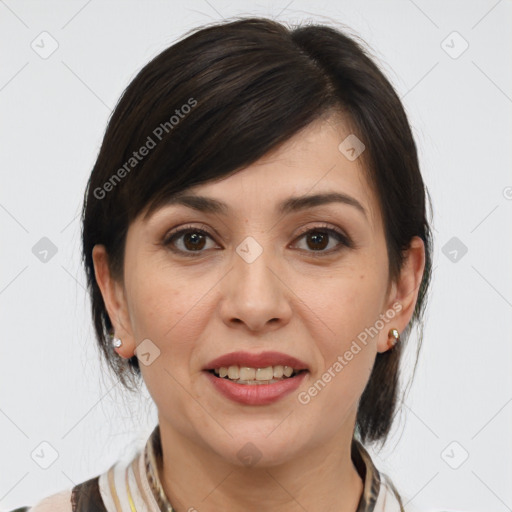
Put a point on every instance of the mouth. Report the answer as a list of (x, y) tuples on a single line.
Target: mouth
[(253, 369), (256, 379), (256, 376)]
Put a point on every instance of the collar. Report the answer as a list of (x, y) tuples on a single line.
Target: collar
[(369, 474), (360, 457)]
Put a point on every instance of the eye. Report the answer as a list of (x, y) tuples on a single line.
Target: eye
[(192, 241), (188, 240), (319, 238)]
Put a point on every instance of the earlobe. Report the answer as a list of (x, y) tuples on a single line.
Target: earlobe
[(404, 295), (114, 300)]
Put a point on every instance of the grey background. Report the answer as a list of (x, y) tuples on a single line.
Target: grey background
[(53, 110)]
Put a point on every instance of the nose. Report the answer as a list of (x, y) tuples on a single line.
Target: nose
[(254, 295)]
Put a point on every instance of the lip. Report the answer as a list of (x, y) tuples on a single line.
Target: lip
[(258, 394), (261, 360)]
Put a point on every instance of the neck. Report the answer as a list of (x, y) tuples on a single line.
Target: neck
[(320, 479)]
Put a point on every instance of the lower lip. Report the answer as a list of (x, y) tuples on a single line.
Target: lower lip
[(257, 394)]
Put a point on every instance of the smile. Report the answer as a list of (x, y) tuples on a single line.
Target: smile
[(255, 376), (255, 392)]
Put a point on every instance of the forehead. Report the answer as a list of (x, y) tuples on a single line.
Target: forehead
[(312, 163), (298, 174)]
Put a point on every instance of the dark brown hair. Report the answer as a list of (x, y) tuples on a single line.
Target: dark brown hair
[(217, 101)]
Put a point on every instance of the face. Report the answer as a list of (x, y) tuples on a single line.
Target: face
[(260, 285)]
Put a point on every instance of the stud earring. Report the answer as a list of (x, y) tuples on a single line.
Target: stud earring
[(116, 342), (395, 337)]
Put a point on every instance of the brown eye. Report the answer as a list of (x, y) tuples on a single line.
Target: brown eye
[(317, 240), (194, 241), (188, 240)]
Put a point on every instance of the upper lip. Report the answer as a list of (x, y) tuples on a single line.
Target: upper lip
[(261, 360)]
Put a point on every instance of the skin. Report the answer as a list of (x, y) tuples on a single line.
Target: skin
[(197, 308)]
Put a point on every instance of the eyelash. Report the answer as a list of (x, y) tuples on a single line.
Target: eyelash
[(343, 240)]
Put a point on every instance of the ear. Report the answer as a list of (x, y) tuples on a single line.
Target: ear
[(115, 301), (404, 293)]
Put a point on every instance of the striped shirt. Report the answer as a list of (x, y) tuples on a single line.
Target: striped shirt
[(134, 486)]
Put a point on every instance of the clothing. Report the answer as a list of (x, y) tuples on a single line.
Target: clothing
[(126, 486)]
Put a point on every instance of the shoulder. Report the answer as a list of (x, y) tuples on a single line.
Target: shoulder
[(121, 487), (390, 500), (379, 493), (59, 502), (85, 496)]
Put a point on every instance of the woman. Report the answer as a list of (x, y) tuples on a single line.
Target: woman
[(255, 234)]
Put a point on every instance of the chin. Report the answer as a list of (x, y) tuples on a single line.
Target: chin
[(257, 449)]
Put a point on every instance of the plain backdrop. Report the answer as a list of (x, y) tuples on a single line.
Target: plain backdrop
[(63, 67)]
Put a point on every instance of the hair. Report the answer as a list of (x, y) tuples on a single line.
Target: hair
[(217, 101)]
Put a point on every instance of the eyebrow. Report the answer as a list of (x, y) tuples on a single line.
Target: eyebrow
[(292, 204)]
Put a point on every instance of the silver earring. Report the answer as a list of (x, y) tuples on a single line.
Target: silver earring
[(116, 342)]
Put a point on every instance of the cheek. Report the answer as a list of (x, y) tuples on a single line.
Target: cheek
[(172, 313), (158, 298), (346, 307), (343, 303), (169, 308), (347, 303)]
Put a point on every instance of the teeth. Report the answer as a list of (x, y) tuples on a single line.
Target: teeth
[(249, 375), (287, 371), (257, 382), (264, 373), (234, 372), (278, 372)]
